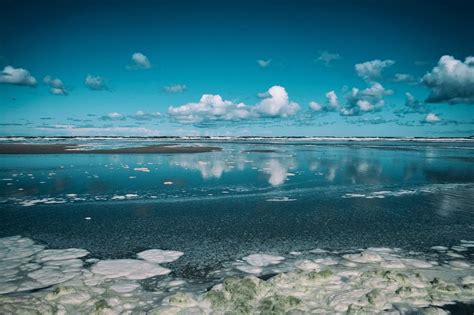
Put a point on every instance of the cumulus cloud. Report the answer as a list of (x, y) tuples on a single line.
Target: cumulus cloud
[(277, 104), (403, 78), (332, 100), (367, 100), (56, 86), (113, 116), (213, 108), (372, 70), (327, 57), (414, 105), (432, 118), (264, 63), (332, 103), (141, 115), (17, 76), (175, 88), (95, 83), (451, 81), (140, 61), (316, 106)]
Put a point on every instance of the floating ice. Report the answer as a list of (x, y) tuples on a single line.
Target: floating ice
[(128, 268), (261, 260), (159, 256)]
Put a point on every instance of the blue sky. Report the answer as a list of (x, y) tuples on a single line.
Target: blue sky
[(237, 67)]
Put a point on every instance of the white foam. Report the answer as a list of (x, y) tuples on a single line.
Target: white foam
[(249, 269), (261, 260), (142, 169), (159, 256), (129, 269), (281, 199), (459, 264), (61, 254), (364, 257)]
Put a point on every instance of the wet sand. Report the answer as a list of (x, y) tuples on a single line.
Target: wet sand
[(74, 149)]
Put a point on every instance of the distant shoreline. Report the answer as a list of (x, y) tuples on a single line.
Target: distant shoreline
[(16, 148)]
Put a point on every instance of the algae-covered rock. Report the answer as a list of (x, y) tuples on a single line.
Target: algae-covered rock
[(277, 304), (181, 299)]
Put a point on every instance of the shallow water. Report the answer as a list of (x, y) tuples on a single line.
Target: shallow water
[(281, 198)]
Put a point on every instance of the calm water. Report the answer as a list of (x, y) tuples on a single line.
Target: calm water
[(218, 207)]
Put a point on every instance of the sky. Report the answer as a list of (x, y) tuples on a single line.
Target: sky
[(270, 68)]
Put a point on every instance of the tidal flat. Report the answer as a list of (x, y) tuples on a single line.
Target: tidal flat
[(257, 226)]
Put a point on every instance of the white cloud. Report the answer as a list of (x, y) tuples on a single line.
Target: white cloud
[(277, 104), (403, 77), (432, 118), (451, 81), (366, 100), (175, 88), (413, 104), (264, 63), (332, 100), (96, 83), (113, 116), (210, 107), (56, 86), (74, 130), (213, 108), (17, 76), (315, 106), (141, 115), (371, 70), (327, 58), (140, 61)]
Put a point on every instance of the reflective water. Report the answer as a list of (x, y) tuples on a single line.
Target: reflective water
[(250, 197)]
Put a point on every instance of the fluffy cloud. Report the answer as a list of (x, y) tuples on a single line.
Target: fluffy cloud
[(372, 70), (17, 76), (316, 106), (210, 107), (432, 118), (96, 83), (413, 104), (214, 108), (326, 57), (175, 88), (277, 104), (332, 103), (141, 115), (113, 116), (451, 81), (366, 100), (56, 86), (264, 63), (140, 61), (403, 77)]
